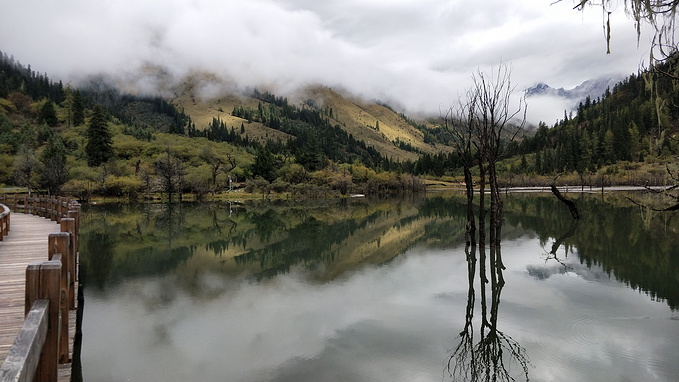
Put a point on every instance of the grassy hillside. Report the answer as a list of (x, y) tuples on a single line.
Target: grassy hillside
[(202, 110), (378, 126)]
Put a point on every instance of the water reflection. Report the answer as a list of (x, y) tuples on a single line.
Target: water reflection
[(329, 237), (490, 356), (368, 290), (614, 235), (259, 240)]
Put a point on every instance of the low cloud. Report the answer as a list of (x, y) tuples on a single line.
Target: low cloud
[(416, 54)]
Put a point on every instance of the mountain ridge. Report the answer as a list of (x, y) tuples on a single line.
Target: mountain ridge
[(593, 88)]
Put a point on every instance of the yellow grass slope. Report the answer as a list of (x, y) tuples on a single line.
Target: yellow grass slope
[(203, 108), (356, 117), (361, 119)]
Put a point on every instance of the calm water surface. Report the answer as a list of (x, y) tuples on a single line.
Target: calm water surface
[(378, 290)]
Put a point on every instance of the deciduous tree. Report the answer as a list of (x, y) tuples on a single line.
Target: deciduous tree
[(53, 159), (25, 168), (171, 171)]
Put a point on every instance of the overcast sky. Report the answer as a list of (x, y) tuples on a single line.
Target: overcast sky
[(417, 55)]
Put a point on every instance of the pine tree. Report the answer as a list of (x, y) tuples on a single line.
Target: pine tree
[(585, 162), (99, 148), (78, 109), (634, 141), (264, 165), (310, 154), (68, 104), (609, 147), (48, 115)]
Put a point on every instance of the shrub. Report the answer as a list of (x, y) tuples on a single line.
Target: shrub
[(122, 186)]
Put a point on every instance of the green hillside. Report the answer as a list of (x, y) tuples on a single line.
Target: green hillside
[(631, 133), (318, 143)]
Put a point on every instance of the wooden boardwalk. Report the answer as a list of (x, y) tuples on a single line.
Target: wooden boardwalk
[(26, 242)]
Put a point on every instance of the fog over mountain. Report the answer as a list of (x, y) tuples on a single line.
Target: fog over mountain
[(417, 56), (547, 104)]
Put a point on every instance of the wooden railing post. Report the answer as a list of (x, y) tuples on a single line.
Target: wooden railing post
[(68, 226), (74, 213), (50, 206), (58, 207), (42, 282), (59, 243), (4, 221)]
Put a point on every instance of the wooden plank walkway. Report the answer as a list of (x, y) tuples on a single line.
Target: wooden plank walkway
[(26, 242)]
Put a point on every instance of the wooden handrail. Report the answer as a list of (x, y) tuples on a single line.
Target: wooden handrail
[(53, 280), (24, 355), (50, 207)]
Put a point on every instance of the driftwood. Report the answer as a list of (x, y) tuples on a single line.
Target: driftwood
[(567, 202)]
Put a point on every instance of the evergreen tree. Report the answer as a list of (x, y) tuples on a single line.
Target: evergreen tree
[(634, 141), (78, 109), (99, 148), (48, 115), (68, 104), (44, 134), (310, 154), (264, 165), (585, 162), (609, 147)]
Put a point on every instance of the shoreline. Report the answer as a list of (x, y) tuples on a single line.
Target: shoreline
[(547, 189)]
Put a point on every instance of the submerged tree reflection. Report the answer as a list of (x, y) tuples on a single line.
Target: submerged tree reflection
[(488, 357), (552, 254)]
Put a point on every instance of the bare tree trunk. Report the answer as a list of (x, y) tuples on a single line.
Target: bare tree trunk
[(569, 203), (482, 202), (470, 231)]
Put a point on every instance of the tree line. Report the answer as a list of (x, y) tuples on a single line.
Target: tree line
[(638, 119)]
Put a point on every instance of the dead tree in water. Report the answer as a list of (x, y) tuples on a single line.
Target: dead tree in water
[(482, 132), (664, 200), (461, 123), (495, 116), (569, 203)]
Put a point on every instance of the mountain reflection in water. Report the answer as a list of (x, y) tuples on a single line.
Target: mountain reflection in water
[(377, 289)]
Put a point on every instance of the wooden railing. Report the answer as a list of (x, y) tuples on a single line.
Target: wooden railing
[(4, 221), (42, 342)]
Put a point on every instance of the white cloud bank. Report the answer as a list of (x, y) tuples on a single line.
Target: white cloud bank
[(416, 54)]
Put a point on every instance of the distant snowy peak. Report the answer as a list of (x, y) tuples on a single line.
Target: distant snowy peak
[(593, 88)]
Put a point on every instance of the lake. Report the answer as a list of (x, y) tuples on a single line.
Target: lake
[(378, 290)]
